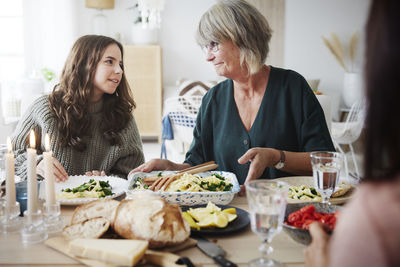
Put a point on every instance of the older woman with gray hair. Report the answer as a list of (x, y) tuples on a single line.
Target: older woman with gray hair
[(262, 121)]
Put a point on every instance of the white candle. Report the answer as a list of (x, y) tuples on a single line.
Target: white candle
[(10, 176), (49, 173), (32, 179)]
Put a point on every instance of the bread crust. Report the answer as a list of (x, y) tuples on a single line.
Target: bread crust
[(151, 218)]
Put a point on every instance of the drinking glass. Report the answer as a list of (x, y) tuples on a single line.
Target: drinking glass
[(3, 151), (267, 204), (326, 171)]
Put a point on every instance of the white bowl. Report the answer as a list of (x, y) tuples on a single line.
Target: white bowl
[(189, 198)]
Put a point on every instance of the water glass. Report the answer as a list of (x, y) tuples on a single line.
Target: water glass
[(267, 204), (3, 151), (326, 171)]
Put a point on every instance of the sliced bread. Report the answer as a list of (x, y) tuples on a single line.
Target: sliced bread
[(92, 228), (98, 208), (341, 190), (119, 252)]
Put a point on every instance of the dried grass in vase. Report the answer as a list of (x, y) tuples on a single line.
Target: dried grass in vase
[(335, 47)]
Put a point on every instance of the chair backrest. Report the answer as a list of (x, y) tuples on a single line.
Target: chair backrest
[(188, 105), (357, 111), (354, 122), (182, 112)]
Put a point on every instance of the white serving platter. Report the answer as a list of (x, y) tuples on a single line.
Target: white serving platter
[(118, 187), (189, 198)]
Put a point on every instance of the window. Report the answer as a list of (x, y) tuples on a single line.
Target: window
[(12, 62), (12, 43)]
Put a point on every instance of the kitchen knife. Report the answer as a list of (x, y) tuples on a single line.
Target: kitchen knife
[(214, 251)]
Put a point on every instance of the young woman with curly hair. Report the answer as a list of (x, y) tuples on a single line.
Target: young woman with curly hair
[(88, 115)]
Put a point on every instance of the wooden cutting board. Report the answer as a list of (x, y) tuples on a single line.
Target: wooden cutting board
[(163, 257)]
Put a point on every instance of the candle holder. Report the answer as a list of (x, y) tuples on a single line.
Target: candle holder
[(34, 230), (52, 219), (10, 221)]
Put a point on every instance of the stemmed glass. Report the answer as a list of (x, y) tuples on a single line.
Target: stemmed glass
[(267, 204), (326, 171)]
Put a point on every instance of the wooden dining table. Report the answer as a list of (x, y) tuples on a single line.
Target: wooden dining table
[(241, 247)]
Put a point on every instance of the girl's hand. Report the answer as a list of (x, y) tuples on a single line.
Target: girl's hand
[(158, 165), (260, 158), (95, 173), (317, 253), (60, 174)]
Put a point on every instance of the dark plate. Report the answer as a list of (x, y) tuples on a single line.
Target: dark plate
[(238, 224)]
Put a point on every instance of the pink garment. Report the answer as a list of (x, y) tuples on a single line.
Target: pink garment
[(368, 230)]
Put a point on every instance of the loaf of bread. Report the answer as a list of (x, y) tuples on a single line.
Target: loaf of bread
[(98, 208), (115, 251), (92, 228), (151, 218)]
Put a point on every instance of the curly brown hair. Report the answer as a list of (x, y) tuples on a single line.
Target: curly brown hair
[(69, 100)]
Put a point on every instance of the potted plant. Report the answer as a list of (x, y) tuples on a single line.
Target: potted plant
[(147, 21)]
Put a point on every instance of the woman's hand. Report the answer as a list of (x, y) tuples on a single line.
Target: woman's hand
[(317, 253), (260, 158), (60, 174), (95, 173), (159, 165)]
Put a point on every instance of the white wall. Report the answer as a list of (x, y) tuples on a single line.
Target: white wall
[(49, 32), (182, 57), (305, 22), (308, 20), (62, 22)]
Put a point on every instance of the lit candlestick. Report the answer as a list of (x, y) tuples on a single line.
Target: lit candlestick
[(32, 178), (10, 176), (49, 173)]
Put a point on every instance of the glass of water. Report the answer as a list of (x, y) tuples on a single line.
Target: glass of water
[(3, 151), (326, 171), (267, 204)]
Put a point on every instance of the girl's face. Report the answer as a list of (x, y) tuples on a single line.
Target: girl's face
[(108, 73), (226, 60)]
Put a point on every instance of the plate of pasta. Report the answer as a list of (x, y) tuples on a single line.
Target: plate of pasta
[(190, 189), (80, 189)]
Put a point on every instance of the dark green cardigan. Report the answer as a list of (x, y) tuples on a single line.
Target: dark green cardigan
[(290, 118)]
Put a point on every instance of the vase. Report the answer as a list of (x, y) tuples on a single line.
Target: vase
[(144, 36), (352, 88)]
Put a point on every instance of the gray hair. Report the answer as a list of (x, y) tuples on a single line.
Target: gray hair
[(241, 23)]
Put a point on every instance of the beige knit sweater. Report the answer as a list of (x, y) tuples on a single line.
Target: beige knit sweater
[(99, 154)]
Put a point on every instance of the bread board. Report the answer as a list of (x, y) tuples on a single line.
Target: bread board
[(60, 244)]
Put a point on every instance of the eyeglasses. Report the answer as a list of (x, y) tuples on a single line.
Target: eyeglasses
[(211, 47)]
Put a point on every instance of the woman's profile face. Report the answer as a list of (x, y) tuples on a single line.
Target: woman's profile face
[(108, 73), (226, 60)]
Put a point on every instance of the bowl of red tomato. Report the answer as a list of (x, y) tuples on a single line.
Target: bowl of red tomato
[(299, 216)]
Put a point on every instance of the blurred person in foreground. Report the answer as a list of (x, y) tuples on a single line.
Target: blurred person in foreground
[(262, 121), (368, 229)]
